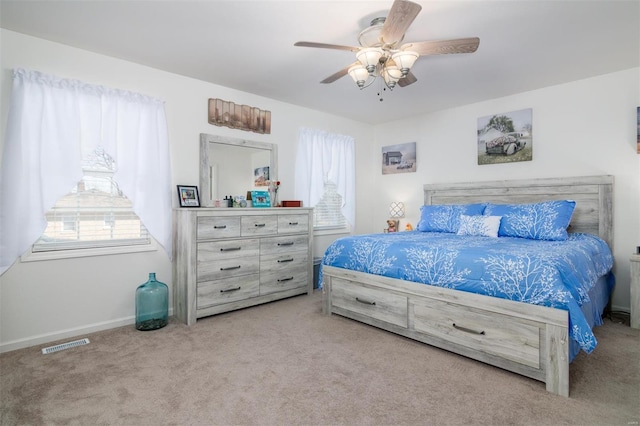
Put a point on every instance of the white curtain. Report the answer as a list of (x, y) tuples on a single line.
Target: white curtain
[(52, 124), (324, 156)]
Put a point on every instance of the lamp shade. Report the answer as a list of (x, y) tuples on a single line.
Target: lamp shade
[(405, 60), (396, 209), (369, 58), (359, 74), (391, 75)]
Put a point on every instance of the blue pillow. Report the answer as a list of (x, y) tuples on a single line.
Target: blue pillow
[(446, 217), (547, 220)]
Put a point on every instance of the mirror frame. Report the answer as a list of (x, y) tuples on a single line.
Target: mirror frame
[(205, 170)]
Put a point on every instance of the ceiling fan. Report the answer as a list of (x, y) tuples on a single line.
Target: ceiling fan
[(381, 53)]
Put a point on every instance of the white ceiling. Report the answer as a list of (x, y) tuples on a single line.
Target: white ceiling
[(248, 45)]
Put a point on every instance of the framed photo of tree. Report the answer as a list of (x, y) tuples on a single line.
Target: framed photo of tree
[(506, 137)]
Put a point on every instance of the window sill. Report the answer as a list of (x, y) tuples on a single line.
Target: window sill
[(88, 252), (331, 231)]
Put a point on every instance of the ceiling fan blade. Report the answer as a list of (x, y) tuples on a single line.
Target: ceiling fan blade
[(400, 17), (441, 47), (326, 46), (407, 80), (338, 75)]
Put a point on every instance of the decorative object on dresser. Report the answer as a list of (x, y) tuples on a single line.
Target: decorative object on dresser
[(243, 117), (235, 258), (635, 290), (261, 198), (529, 339), (291, 203), (188, 196)]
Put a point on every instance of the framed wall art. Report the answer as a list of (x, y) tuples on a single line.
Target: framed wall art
[(243, 117), (399, 158), (188, 196), (505, 137)]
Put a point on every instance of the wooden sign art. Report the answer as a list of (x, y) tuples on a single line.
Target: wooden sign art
[(243, 117)]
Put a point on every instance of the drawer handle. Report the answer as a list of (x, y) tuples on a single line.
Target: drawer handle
[(260, 225), (220, 227), (467, 330), (229, 268), (285, 244), (366, 302), (228, 290), (285, 260), (293, 223), (285, 279), (231, 249)]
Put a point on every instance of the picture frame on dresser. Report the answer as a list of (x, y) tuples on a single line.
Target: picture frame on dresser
[(188, 196), (261, 199)]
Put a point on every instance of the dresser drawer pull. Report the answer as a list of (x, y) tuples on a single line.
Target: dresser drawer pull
[(285, 260), (231, 249), (467, 330), (228, 290), (230, 268), (285, 279), (366, 302), (285, 244), (260, 225), (293, 223), (220, 227)]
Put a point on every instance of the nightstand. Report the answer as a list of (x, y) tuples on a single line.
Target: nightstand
[(635, 291)]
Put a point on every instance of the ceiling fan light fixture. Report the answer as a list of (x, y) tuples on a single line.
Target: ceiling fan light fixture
[(405, 60), (371, 36), (359, 74), (369, 58)]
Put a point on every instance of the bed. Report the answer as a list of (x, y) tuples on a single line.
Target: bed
[(535, 337)]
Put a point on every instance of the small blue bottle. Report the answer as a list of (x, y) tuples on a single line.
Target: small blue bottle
[(152, 304)]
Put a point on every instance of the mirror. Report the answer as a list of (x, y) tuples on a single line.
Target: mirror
[(231, 166)]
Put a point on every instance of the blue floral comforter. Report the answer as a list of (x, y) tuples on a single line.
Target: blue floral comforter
[(557, 274)]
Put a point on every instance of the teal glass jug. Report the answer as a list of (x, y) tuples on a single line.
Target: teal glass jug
[(152, 304)]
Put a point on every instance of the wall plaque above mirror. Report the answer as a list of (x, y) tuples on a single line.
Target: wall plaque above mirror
[(243, 117), (233, 166)]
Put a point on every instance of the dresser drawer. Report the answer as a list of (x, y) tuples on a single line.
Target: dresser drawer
[(226, 249), (277, 245), (372, 302), (211, 293), (217, 227), (258, 225), (481, 330), (226, 268), (292, 223), (283, 272)]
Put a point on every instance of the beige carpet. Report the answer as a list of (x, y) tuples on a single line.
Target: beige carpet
[(285, 363)]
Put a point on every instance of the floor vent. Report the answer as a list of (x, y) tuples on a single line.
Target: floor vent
[(64, 346)]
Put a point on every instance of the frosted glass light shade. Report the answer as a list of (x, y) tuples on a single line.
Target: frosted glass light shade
[(369, 58), (405, 60), (391, 75), (359, 74)]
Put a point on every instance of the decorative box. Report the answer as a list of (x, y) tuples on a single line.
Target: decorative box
[(292, 203)]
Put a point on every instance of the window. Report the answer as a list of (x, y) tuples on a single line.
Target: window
[(325, 177), (94, 214), (53, 125)]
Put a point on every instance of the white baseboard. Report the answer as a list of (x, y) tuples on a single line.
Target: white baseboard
[(616, 308), (69, 333)]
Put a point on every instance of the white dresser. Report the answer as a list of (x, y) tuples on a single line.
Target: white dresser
[(226, 259)]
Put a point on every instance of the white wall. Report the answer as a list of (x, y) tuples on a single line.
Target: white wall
[(48, 300), (586, 127)]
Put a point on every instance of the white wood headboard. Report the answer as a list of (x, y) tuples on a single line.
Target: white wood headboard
[(593, 196)]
